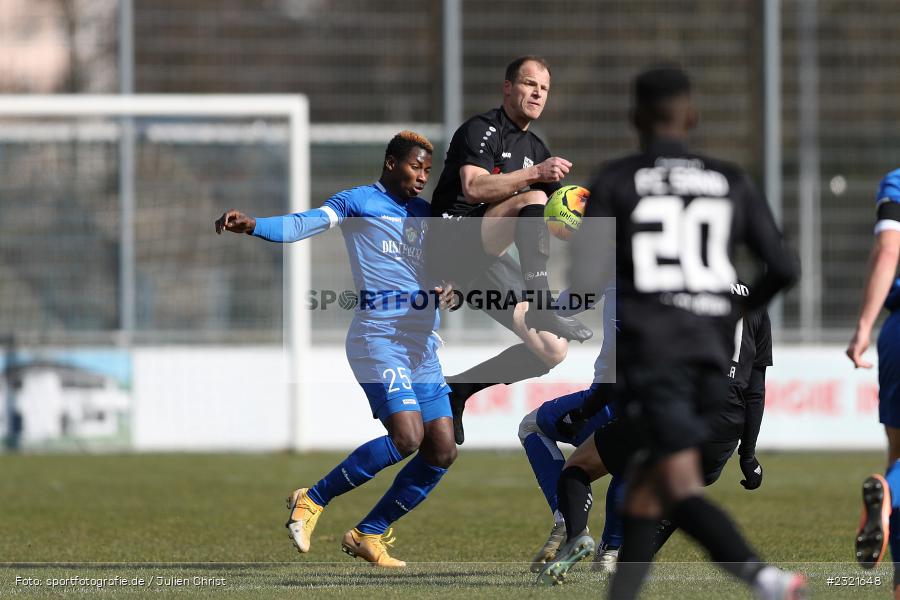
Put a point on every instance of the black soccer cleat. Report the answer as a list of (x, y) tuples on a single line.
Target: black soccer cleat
[(872, 536), (569, 328), (457, 406)]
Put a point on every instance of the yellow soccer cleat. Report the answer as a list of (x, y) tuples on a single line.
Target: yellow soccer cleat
[(303, 517), (372, 548)]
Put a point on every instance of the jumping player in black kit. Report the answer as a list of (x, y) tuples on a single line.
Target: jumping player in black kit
[(497, 170), (678, 217)]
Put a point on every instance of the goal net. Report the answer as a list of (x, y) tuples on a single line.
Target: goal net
[(112, 281)]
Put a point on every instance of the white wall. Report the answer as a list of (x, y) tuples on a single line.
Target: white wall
[(815, 399), (217, 398), (210, 398)]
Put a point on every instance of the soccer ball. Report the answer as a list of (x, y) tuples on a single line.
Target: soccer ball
[(564, 210)]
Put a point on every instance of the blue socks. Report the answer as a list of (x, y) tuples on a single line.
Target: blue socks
[(893, 478), (412, 485), (613, 528), (547, 463), (358, 468)]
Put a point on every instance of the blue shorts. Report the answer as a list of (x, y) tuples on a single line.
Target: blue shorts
[(398, 370), (889, 371), (551, 411)]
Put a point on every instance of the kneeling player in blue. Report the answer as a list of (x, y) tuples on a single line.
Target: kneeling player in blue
[(565, 420), (880, 522), (572, 419), (390, 345)]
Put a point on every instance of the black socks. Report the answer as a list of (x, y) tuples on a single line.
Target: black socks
[(533, 242), (699, 518), (573, 493), (715, 531), (634, 557), (516, 363)]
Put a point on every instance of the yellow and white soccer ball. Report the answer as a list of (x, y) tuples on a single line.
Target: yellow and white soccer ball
[(565, 209)]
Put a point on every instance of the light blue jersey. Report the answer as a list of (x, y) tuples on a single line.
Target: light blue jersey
[(385, 244), (389, 344)]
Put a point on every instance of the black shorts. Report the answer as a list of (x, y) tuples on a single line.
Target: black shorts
[(713, 456), (455, 250), (616, 446), (457, 254), (501, 279), (616, 449), (669, 408)]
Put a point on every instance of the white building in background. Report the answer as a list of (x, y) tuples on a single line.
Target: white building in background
[(55, 405)]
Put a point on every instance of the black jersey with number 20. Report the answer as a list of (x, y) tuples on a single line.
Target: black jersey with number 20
[(678, 217)]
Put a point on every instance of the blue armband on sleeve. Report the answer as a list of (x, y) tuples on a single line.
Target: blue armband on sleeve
[(298, 226)]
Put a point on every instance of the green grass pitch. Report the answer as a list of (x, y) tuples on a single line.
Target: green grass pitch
[(222, 516)]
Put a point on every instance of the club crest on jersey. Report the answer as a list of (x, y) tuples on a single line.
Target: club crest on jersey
[(527, 163), (411, 235)]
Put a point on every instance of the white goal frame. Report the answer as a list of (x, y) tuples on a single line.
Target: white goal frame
[(295, 109)]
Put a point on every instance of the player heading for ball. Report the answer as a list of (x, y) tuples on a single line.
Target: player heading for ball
[(391, 348), (678, 217), (496, 179)]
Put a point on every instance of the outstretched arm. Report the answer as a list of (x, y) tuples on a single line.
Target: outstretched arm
[(287, 228), (882, 267)]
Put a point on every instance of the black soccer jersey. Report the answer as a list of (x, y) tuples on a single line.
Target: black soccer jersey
[(678, 216), (494, 143), (753, 342), (741, 415)]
